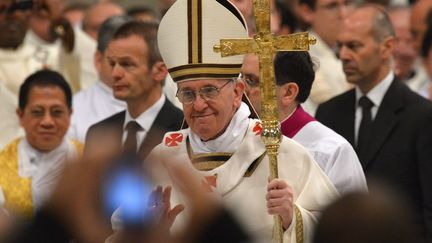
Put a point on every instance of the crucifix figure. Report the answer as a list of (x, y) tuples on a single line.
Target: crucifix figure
[(265, 45)]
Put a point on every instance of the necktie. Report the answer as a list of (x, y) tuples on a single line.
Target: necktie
[(130, 145), (364, 131)]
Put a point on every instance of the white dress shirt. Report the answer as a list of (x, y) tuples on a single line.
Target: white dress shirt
[(145, 120), (376, 95)]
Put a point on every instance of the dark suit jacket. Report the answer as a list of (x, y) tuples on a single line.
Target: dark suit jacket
[(400, 147), (170, 118)]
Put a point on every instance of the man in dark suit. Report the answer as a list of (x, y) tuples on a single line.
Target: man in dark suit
[(389, 125), (138, 74)]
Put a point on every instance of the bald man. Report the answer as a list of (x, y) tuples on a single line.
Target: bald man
[(387, 123), (97, 14)]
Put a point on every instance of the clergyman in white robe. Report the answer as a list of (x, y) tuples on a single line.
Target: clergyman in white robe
[(332, 152), (235, 167)]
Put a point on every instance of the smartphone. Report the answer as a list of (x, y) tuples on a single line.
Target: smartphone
[(126, 187)]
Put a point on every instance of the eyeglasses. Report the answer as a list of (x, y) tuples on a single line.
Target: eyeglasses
[(250, 81), (188, 96)]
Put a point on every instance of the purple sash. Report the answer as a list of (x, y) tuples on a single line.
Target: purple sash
[(291, 126)]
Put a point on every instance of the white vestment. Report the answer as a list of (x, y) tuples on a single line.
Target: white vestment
[(9, 124), (15, 66), (241, 181), (335, 156), (420, 83), (332, 152), (419, 79), (29, 175), (43, 168), (77, 66), (330, 79), (91, 106)]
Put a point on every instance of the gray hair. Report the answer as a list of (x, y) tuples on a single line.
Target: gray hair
[(382, 26), (108, 28)]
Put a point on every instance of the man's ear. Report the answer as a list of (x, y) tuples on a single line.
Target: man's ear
[(20, 115), (306, 13), (159, 71), (97, 60), (288, 93), (387, 46), (238, 92)]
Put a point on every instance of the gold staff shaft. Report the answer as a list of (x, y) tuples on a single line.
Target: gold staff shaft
[(265, 45)]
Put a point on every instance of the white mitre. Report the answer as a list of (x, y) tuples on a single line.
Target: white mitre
[(188, 32)]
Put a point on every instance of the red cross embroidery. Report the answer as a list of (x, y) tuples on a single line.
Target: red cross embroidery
[(209, 182), (173, 139), (257, 128)]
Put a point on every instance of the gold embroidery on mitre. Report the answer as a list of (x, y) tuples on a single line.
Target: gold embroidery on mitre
[(195, 30)]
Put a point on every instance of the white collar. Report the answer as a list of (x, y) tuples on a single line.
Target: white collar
[(230, 140), (146, 119), (29, 158), (376, 94)]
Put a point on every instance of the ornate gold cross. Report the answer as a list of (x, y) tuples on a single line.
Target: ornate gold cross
[(265, 45)]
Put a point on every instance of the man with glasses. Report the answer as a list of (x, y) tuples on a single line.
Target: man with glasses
[(324, 18), (222, 146), (138, 73), (294, 73)]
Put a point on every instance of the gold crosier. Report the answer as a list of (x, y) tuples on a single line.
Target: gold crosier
[(265, 45)]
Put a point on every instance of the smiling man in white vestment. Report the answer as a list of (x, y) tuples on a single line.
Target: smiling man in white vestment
[(222, 144), (30, 166)]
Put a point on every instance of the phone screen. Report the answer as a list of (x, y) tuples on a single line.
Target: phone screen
[(126, 187)]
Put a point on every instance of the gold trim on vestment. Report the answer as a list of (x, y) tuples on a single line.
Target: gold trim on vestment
[(199, 156), (210, 161), (254, 165), (299, 225), (17, 190), (208, 165)]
